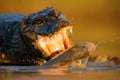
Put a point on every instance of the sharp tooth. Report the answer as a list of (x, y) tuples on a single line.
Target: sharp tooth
[(55, 43), (41, 42), (67, 43)]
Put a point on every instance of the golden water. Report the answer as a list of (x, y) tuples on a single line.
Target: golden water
[(95, 21), (37, 73)]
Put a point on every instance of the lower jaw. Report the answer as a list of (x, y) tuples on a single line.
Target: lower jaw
[(47, 51)]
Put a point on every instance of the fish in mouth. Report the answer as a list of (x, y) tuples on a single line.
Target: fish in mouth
[(49, 30), (38, 38)]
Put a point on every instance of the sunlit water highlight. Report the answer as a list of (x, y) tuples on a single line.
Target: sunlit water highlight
[(59, 73)]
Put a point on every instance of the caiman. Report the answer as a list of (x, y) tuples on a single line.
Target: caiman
[(41, 38)]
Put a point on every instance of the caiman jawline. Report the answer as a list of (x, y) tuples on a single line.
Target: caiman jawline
[(54, 44)]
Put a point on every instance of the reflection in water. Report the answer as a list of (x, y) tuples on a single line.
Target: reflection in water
[(73, 73), (96, 21)]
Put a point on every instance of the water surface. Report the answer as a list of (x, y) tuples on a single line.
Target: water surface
[(52, 73)]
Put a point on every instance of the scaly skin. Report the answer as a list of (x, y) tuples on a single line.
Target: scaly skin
[(18, 34), (11, 43), (21, 36)]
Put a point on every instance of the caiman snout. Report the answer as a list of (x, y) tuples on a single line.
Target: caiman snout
[(49, 30)]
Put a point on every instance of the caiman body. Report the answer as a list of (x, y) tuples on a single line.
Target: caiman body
[(37, 38)]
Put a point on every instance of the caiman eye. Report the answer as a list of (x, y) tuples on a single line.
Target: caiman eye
[(37, 22), (31, 35)]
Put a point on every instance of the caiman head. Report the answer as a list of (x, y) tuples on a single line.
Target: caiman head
[(49, 31)]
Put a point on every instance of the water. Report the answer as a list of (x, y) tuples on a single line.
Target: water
[(59, 73), (94, 21)]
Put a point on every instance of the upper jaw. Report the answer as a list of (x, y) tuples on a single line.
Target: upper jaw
[(56, 43)]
